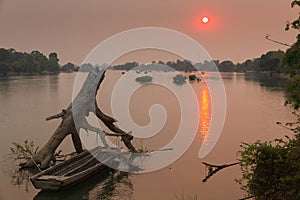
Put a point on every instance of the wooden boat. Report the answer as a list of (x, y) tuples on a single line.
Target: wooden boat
[(70, 171)]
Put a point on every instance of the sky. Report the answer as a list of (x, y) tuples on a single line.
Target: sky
[(72, 28)]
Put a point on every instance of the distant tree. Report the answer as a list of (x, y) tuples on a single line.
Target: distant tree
[(40, 61), (76, 69), (271, 65), (271, 61), (4, 68), (86, 67), (240, 67), (35, 62), (68, 67), (17, 67), (216, 62), (4, 55), (226, 66), (53, 62), (28, 64), (208, 65), (126, 66)]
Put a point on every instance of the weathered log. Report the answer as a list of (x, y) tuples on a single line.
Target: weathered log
[(83, 104)]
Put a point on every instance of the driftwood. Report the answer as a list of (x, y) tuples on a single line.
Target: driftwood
[(213, 169), (79, 109)]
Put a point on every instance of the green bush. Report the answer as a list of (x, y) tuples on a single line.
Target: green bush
[(271, 170)]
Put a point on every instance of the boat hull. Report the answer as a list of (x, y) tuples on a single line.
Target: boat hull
[(53, 183), (68, 173)]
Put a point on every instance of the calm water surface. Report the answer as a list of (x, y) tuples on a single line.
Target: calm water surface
[(254, 105)]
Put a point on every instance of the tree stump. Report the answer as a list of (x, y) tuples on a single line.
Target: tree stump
[(83, 104)]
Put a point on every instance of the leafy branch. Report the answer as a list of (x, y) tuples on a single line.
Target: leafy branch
[(23, 151)]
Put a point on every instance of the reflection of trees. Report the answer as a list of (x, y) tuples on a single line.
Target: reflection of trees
[(117, 186), (228, 76), (20, 178), (269, 80)]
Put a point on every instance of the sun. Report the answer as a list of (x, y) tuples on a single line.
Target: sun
[(205, 20)]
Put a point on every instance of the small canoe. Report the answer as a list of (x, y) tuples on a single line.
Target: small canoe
[(69, 172)]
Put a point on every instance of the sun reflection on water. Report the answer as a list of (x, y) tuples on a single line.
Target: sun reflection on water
[(205, 108)]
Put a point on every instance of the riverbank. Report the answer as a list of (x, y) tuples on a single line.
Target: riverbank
[(12, 74)]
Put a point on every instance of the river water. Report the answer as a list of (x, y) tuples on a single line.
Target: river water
[(254, 105)]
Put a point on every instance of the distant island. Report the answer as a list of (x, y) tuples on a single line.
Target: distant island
[(13, 62), (272, 61)]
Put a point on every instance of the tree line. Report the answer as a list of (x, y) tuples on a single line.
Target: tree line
[(271, 61), (14, 62)]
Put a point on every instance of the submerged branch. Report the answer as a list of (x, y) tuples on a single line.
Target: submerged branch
[(213, 169)]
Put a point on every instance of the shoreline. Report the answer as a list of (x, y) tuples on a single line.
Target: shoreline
[(13, 74)]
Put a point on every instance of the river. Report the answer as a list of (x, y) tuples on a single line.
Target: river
[(254, 105)]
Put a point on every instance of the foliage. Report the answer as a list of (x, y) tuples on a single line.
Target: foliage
[(293, 93), (292, 59), (144, 79), (15, 62), (179, 79), (86, 67), (296, 23), (270, 61), (23, 151), (68, 67), (12, 61), (192, 77), (181, 65), (271, 170), (126, 66), (53, 62), (5, 68), (226, 66)]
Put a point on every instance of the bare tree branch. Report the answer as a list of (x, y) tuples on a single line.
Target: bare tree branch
[(268, 38), (213, 169), (59, 115)]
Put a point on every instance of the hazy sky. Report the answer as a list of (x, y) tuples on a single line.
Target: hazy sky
[(72, 28)]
